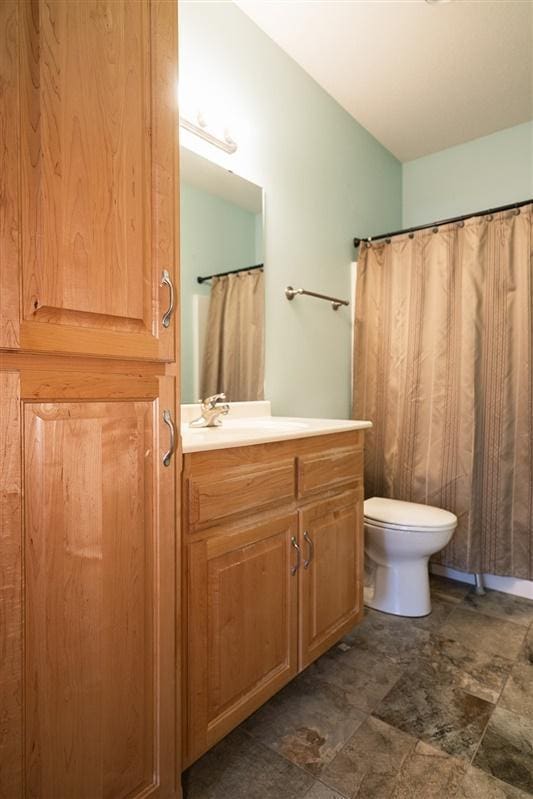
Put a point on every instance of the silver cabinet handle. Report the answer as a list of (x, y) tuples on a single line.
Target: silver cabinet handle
[(166, 281), (298, 549), (167, 457), (307, 538)]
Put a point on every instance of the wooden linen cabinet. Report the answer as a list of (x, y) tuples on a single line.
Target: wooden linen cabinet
[(88, 396)]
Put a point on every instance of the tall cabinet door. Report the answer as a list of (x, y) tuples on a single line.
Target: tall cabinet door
[(11, 614), (241, 626), (92, 698), (331, 578), (89, 177)]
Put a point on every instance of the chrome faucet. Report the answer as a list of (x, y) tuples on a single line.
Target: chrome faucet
[(211, 412)]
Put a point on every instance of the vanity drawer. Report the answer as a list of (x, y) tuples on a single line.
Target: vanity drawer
[(248, 488), (328, 469)]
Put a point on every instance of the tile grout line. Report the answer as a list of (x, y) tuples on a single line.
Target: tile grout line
[(494, 616), (330, 788), (514, 662), (489, 773), (471, 761)]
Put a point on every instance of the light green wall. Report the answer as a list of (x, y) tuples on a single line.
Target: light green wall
[(326, 179), (216, 235), (485, 173)]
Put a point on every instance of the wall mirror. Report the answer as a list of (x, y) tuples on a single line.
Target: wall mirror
[(222, 289)]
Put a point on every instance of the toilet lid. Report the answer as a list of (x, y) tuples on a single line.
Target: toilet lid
[(400, 514)]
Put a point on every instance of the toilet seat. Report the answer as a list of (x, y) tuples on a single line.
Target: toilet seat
[(396, 515)]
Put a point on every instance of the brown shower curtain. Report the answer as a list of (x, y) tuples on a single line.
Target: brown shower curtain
[(443, 368), (234, 346)]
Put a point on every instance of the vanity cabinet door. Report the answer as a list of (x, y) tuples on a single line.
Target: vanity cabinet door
[(242, 626), (89, 177), (88, 673), (331, 577)]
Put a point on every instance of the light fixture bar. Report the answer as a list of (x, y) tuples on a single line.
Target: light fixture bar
[(227, 144)]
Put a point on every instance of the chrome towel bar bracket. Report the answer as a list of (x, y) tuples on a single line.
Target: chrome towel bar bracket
[(291, 293)]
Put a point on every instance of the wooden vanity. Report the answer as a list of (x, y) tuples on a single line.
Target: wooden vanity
[(273, 562)]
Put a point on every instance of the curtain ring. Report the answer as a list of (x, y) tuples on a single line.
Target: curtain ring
[(461, 223), (411, 235), (387, 241), (435, 230), (489, 217), (517, 211)]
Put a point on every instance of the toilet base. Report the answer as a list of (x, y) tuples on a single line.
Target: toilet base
[(402, 590)]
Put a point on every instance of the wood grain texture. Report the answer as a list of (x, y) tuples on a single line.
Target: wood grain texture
[(201, 463), (242, 617), (9, 175), (100, 601), (11, 619), (331, 467), (98, 189), (88, 222), (234, 576), (331, 588), (44, 385), (27, 362), (243, 490)]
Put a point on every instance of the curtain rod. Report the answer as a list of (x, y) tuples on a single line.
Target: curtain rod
[(357, 241), (229, 272)]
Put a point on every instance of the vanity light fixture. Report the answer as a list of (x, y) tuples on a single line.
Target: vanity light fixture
[(199, 128)]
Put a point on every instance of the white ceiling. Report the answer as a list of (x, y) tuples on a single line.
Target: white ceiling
[(420, 77)]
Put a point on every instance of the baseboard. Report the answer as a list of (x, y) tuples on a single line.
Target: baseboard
[(507, 585)]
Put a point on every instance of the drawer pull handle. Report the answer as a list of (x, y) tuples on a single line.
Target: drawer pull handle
[(166, 281), (167, 457), (307, 538), (298, 549)]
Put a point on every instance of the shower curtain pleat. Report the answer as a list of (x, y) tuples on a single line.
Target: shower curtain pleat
[(233, 360), (443, 368)]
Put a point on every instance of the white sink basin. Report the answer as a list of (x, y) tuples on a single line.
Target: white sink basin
[(271, 423), (245, 431)]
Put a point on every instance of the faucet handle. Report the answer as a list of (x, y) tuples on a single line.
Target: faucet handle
[(211, 402)]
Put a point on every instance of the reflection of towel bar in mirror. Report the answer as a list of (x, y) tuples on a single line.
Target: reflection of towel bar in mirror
[(291, 293)]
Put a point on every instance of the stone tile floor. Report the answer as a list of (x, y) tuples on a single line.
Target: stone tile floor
[(439, 707)]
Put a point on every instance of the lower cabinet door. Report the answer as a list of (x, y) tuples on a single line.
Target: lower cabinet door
[(94, 616), (242, 626), (331, 577)]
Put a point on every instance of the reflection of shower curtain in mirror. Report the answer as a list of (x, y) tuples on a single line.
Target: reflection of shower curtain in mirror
[(443, 368), (234, 345)]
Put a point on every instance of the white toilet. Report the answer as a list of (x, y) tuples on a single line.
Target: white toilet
[(400, 537)]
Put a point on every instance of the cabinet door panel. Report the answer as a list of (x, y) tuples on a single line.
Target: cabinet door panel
[(242, 615), (331, 599), (96, 89), (99, 600)]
